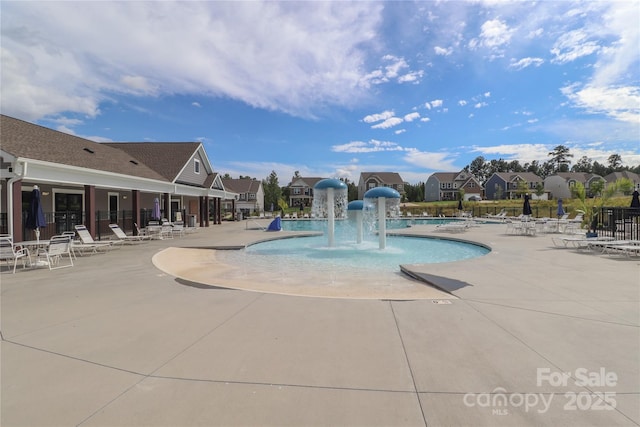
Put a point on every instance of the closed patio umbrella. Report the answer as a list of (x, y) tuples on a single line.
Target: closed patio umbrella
[(526, 207), (560, 213), (156, 210), (560, 209), (635, 199), (35, 216)]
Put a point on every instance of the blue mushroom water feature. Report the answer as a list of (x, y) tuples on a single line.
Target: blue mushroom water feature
[(356, 207), (330, 201), (386, 200)]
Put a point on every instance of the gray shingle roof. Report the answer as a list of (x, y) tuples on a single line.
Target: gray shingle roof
[(35, 142), (166, 158), (241, 185)]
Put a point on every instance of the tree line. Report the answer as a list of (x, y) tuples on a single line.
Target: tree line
[(559, 161)]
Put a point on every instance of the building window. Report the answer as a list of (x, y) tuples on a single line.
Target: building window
[(196, 166), (297, 190), (252, 196)]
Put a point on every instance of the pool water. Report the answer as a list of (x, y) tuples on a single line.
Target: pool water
[(313, 253)]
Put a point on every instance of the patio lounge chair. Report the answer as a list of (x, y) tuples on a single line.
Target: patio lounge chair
[(144, 234), (120, 235), (8, 253), (87, 239), (59, 247), (452, 227)]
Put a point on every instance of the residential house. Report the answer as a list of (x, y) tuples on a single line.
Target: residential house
[(559, 185), (250, 196), (301, 190), (631, 176), (504, 185), (447, 185), (369, 180), (85, 182)]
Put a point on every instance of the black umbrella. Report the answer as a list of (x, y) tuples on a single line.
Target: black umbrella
[(526, 208), (35, 216), (635, 200)]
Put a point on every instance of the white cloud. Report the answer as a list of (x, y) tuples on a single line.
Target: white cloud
[(56, 57), (372, 118), (399, 131), (525, 62), (443, 51), (389, 123), (413, 76), (495, 33), (425, 119), (430, 160), (573, 45), (480, 105), (487, 94), (196, 104), (371, 146), (411, 117), (462, 103), (521, 152), (436, 103), (621, 103)]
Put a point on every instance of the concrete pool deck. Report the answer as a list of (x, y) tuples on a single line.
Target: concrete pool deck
[(117, 341)]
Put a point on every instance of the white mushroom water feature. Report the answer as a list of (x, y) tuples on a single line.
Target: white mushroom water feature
[(330, 201), (380, 202)]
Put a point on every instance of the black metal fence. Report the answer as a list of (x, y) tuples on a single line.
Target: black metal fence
[(619, 223)]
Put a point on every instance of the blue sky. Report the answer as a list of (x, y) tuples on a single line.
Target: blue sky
[(333, 89)]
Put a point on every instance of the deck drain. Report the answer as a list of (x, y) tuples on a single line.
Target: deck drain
[(441, 301)]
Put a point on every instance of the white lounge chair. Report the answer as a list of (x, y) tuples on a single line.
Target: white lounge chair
[(87, 239), (8, 252), (121, 235), (59, 247), (142, 233), (452, 227)]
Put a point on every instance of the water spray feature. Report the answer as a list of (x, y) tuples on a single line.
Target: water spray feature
[(387, 201), (330, 201), (356, 207)]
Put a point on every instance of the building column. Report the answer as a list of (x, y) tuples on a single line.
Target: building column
[(206, 211), (201, 200), (167, 206), (16, 210), (90, 209), (135, 206)]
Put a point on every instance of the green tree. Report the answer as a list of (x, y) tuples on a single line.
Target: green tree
[(271, 188), (583, 165), (590, 207), (615, 162), (560, 157)]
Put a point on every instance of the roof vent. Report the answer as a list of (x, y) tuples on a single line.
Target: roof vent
[(88, 150), (133, 161)]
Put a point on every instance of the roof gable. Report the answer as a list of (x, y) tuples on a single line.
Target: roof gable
[(167, 158)]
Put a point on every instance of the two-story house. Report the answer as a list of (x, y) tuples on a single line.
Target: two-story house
[(301, 190), (559, 185), (447, 185), (504, 185), (369, 180), (249, 198)]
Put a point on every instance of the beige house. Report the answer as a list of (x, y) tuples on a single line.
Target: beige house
[(249, 197), (301, 190), (559, 185), (369, 180)]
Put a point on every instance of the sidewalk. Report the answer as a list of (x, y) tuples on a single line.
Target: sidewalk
[(116, 341)]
